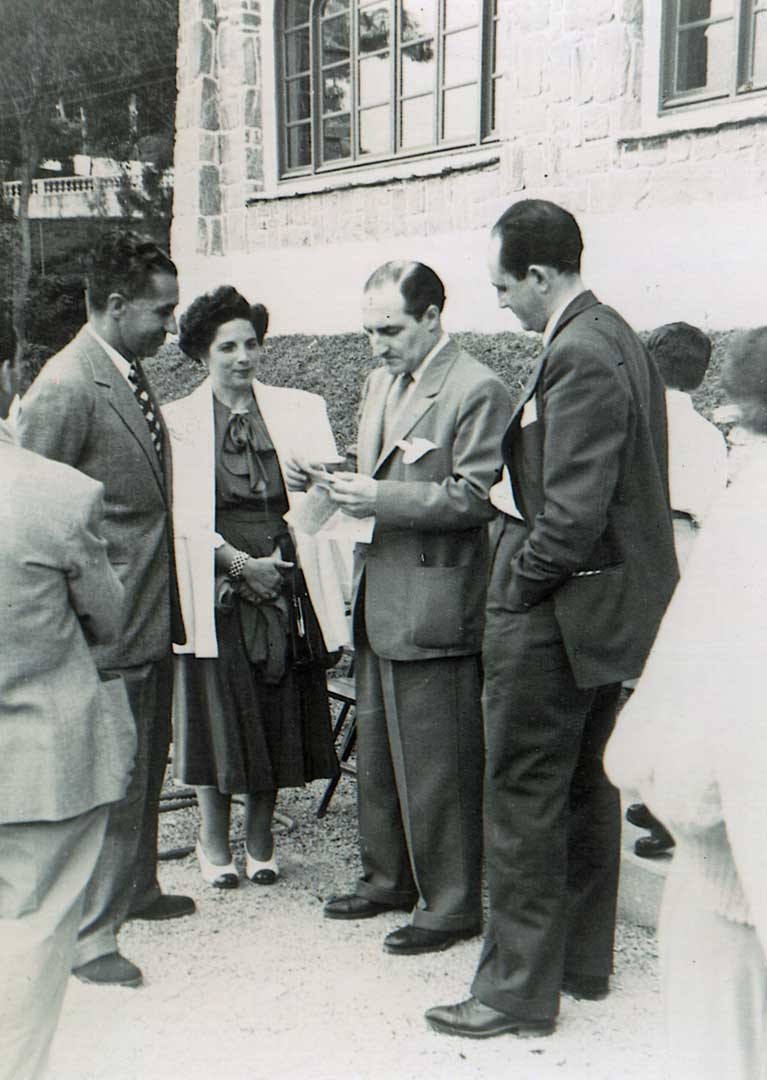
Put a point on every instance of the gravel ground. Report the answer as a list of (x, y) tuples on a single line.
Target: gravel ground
[(258, 986)]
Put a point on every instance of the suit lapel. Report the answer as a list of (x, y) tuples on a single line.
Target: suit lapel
[(370, 431), (122, 400), (420, 401)]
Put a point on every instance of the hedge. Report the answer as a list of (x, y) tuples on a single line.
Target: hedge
[(335, 367)]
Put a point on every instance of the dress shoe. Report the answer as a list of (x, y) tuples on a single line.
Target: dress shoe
[(110, 970), (638, 814), (586, 987), (474, 1020), (412, 940), (166, 906), (261, 873), (356, 907), (657, 843), (220, 877)]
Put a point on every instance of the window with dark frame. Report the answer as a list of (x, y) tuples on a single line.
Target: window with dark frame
[(713, 50), (374, 80)]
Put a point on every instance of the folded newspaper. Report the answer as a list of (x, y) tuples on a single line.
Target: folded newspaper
[(317, 515)]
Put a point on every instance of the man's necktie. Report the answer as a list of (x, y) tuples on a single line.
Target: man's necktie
[(394, 400), (141, 392)]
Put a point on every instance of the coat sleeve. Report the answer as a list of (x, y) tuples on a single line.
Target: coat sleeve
[(585, 413), (54, 419), (460, 500), (94, 589)]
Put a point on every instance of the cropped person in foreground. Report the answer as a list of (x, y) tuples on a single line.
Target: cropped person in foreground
[(581, 574), (693, 742), (251, 711), (67, 739)]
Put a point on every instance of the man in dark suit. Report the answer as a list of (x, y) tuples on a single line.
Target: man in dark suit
[(91, 407), (582, 571), (428, 450)]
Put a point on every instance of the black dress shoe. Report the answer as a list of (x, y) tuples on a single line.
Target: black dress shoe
[(586, 987), (474, 1020), (639, 815), (110, 970), (166, 906), (657, 843), (411, 940), (356, 907)]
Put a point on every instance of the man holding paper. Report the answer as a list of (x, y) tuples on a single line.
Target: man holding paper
[(428, 450)]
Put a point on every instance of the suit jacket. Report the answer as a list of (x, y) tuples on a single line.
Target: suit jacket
[(426, 568), (587, 454), (298, 424), (81, 411), (66, 739)]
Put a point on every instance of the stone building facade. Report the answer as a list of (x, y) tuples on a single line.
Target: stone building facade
[(670, 190)]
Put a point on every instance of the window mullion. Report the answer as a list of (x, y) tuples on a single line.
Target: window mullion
[(741, 40), (395, 77), (354, 114), (315, 103), (440, 72)]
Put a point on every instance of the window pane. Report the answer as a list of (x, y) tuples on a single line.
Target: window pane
[(299, 146), (461, 12), (335, 39), (461, 57), (418, 68), (296, 11), (374, 29), (375, 131), (418, 122), (297, 52), (419, 19), (333, 7), (374, 79), (336, 138), (337, 90), (695, 10), (460, 114), (759, 74), (492, 112), (705, 58), (298, 95)]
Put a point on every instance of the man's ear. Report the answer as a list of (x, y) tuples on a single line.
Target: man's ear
[(115, 305), (541, 276), (432, 315)]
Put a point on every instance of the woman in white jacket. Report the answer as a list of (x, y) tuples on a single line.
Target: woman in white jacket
[(250, 705), (693, 741)]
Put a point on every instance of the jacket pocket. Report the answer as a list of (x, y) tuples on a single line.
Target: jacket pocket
[(438, 606)]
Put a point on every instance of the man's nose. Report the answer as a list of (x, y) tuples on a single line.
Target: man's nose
[(171, 326)]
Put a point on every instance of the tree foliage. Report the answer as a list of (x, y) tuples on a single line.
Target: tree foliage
[(67, 71)]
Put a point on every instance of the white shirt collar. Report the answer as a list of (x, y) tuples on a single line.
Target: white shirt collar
[(417, 375), (557, 314), (119, 361)]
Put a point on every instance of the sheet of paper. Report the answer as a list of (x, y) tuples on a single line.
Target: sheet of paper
[(317, 515)]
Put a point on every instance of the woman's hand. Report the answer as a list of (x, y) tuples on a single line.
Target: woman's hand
[(296, 474), (262, 579)]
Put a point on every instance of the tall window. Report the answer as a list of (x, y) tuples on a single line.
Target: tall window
[(367, 80), (713, 49)]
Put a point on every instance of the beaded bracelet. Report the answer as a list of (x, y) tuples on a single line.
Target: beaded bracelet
[(237, 565)]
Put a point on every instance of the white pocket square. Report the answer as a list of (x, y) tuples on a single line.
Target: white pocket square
[(414, 450)]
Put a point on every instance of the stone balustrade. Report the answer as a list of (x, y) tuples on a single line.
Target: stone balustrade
[(75, 196)]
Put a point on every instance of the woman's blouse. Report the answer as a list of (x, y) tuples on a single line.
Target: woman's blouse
[(247, 470)]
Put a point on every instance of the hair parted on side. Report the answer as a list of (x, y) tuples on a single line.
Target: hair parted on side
[(538, 231), (418, 283), (123, 262), (682, 353), (744, 377), (200, 322)]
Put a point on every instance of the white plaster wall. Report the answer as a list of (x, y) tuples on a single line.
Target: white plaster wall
[(703, 263)]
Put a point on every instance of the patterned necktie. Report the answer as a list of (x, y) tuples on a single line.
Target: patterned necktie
[(394, 399), (141, 392)]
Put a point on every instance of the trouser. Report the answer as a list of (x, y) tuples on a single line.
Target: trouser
[(419, 773), (44, 871), (125, 878), (714, 983), (552, 818)]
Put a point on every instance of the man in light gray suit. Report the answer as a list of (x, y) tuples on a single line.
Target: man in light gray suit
[(91, 407), (66, 739)]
